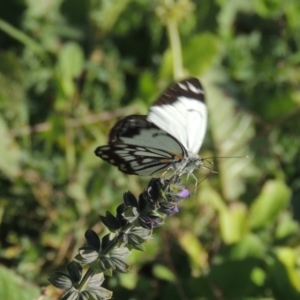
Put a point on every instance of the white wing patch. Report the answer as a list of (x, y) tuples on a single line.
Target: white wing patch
[(185, 119)]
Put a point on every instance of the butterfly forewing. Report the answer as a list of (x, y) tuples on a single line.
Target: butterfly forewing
[(181, 111), (138, 147)]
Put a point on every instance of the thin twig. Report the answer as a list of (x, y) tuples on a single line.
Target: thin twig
[(85, 120)]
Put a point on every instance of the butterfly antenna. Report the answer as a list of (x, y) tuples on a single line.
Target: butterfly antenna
[(206, 158)]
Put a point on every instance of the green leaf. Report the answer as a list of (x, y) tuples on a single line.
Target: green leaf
[(163, 273), (233, 223), (249, 246), (233, 277), (200, 52), (193, 247), (267, 206), (14, 287), (10, 152), (70, 64), (283, 275), (287, 227)]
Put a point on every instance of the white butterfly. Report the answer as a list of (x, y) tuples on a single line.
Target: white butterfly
[(168, 138)]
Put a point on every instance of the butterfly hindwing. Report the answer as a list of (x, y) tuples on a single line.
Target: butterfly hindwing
[(139, 147), (132, 159)]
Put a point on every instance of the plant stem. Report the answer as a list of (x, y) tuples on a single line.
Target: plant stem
[(87, 276), (175, 48)]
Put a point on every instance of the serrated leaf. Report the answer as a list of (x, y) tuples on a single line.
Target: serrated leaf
[(267, 206), (61, 280)]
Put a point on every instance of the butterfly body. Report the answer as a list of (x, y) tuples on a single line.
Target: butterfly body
[(168, 138)]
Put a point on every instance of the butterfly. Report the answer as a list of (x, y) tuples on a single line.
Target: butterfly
[(168, 138)]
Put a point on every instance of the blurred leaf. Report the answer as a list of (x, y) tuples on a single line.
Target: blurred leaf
[(284, 277), (9, 152), (199, 53), (288, 257), (163, 273), (287, 227), (166, 65), (14, 287), (225, 277), (249, 246), (258, 276), (268, 8), (197, 254), (233, 223), (70, 64), (23, 38), (130, 279), (268, 205), (106, 13)]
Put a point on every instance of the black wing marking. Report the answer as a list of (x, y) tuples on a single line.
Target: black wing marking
[(190, 88), (137, 160)]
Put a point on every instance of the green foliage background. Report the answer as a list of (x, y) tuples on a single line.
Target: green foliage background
[(69, 69)]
